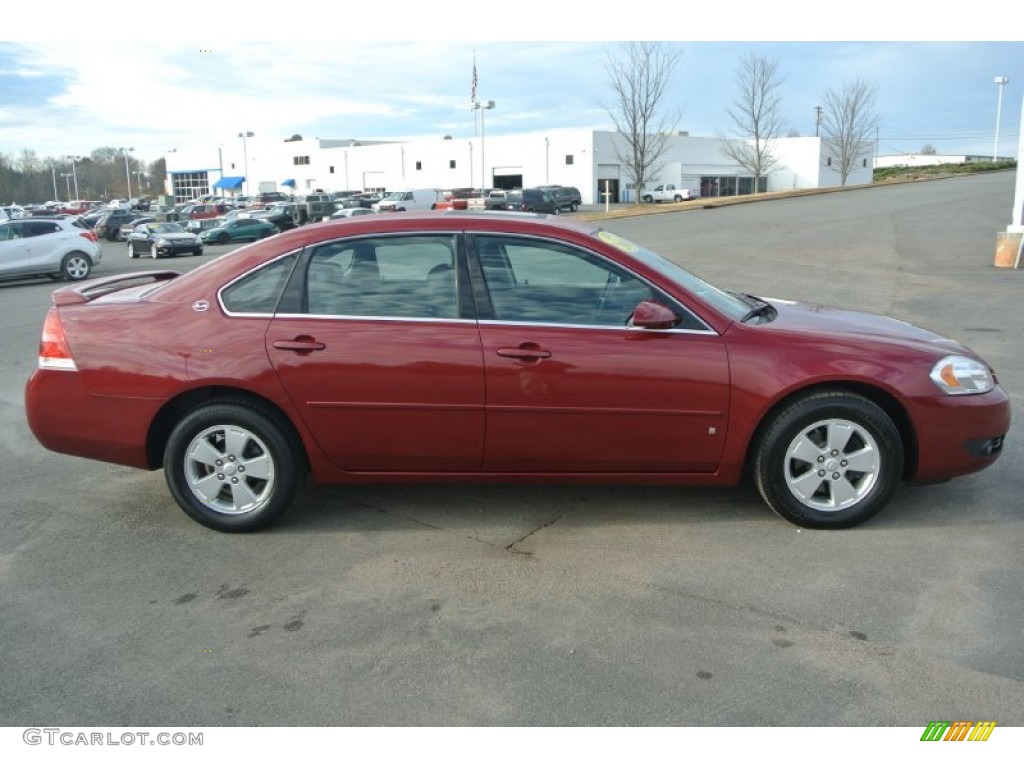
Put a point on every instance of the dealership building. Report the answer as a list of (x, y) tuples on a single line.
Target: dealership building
[(586, 159)]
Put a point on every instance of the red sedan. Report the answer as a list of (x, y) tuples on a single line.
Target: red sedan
[(459, 346)]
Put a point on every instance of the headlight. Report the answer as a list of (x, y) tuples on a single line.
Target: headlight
[(957, 375), (161, 242)]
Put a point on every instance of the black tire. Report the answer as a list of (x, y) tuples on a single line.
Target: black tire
[(131, 250), (197, 251), (574, 207), (557, 210), (154, 253), (648, 199), (223, 238), (75, 266), (257, 479), (828, 460), (678, 198)]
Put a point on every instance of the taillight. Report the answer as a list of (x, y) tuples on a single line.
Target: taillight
[(54, 350), (89, 235)]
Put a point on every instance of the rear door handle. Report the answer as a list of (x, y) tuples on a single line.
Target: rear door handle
[(524, 352), (300, 344)]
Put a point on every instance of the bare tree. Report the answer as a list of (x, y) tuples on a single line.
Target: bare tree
[(849, 123), (928, 149), (639, 75), (756, 115)]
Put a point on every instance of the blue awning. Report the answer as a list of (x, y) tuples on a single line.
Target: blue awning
[(288, 183), (229, 182)]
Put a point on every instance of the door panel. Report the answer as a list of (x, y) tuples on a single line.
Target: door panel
[(603, 400)]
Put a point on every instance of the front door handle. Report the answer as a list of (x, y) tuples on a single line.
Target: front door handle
[(300, 344)]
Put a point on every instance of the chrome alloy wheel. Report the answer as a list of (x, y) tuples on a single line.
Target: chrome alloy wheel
[(832, 465), (229, 470)]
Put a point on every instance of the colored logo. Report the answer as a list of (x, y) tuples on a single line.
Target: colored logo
[(958, 730)]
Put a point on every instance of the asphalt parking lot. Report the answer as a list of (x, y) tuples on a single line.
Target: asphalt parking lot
[(538, 605)]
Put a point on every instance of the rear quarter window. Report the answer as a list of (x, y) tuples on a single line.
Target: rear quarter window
[(258, 292)]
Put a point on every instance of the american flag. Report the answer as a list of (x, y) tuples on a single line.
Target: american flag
[(472, 92)]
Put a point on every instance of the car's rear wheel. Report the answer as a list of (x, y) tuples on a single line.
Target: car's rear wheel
[(223, 238), (197, 251), (828, 460), (75, 266), (232, 467)]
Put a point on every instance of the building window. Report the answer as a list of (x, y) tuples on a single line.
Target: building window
[(303, 160), (451, 163), (568, 159), (419, 165), (188, 186), (332, 169), (865, 165), (829, 162)]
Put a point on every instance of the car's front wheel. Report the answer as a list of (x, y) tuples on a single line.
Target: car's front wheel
[(223, 238), (75, 266), (232, 467), (131, 250), (832, 459), (154, 253)]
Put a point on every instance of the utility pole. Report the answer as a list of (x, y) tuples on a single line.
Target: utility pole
[(817, 121)]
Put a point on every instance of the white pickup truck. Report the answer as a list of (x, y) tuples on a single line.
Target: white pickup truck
[(669, 193)]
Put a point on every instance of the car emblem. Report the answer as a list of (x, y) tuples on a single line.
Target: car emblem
[(201, 306)]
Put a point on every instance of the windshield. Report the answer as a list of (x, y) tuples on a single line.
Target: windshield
[(165, 227), (726, 303)]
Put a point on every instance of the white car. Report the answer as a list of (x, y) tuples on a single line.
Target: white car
[(348, 213), (58, 247)]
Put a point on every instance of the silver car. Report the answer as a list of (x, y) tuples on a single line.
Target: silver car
[(58, 247)]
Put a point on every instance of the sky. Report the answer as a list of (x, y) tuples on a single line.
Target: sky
[(391, 71)]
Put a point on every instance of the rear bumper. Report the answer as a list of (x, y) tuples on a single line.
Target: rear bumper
[(63, 416)]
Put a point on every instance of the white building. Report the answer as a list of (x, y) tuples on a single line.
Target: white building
[(588, 160)]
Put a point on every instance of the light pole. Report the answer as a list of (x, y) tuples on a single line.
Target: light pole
[(483, 165), (53, 172), (245, 151), (127, 171), (74, 173), (1000, 81), (67, 183), (138, 180)]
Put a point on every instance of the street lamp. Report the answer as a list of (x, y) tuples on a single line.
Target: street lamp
[(67, 183), (127, 171), (1000, 81), (483, 166), (138, 180), (245, 151), (74, 173)]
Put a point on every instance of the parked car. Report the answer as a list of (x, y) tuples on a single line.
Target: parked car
[(58, 247), (108, 225), (669, 193), (238, 230), (531, 200), (206, 210), (454, 347), (348, 213), (162, 238), (495, 200), (198, 226), (126, 229), (567, 198), (281, 215), (408, 200)]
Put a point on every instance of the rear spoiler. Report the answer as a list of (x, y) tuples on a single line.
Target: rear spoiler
[(93, 289)]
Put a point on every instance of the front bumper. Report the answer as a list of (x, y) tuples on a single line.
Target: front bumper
[(959, 435)]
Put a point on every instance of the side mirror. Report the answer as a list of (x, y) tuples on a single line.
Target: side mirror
[(653, 316)]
